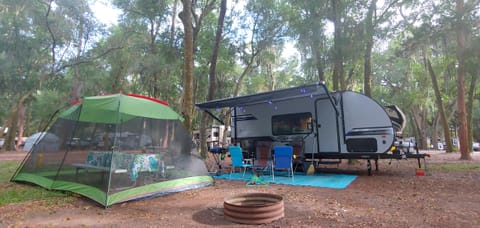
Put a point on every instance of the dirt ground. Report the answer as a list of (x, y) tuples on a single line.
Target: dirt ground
[(393, 197)]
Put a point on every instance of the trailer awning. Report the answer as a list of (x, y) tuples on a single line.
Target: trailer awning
[(313, 90)]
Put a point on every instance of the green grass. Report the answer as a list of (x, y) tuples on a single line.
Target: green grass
[(16, 192), (455, 167), (6, 171)]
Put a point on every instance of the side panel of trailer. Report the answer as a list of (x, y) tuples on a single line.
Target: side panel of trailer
[(256, 120), (368, 128)]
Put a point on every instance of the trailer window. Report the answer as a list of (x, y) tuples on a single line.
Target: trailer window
[(291, 124)]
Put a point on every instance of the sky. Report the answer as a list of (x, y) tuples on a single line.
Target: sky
[(105, 12)]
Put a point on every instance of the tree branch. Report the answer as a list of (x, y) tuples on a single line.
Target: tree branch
[(86, 60)]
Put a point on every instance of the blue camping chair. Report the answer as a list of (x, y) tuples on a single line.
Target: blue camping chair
[(237, 159), (283, 160)]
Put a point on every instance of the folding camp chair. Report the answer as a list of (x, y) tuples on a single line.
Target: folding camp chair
[(263, 159), (283, 160), (237, 159)]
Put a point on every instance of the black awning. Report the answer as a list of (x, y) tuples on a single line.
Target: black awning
[(313, 90)]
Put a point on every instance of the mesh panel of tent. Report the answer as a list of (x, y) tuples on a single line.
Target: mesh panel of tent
[(114, 149)]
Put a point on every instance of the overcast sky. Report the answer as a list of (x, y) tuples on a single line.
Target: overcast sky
[(105, 12)]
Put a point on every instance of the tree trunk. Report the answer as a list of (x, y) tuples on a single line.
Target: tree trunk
[(76, 75), (367, 84), (369, 29), (117, 78), (461, 109), (238, 86), (320, 72), (270, 77), (316, 49), (155, 91), (54, 40), (20, 124), (420, 124), (187, 96), (166, 71), (212, 75), (441, 110), (422, 139), (434, 138), (214, 57), (471, 97), (172, 26), (13, 119), (338, 81), (11, 125)]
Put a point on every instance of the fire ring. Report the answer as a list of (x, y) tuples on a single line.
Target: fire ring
[(253, 208)]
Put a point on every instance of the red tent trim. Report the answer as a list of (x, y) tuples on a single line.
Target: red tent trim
[(75, 102), (79, 101), (148, 98)]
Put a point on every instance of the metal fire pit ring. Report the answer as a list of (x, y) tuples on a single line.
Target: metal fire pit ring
[(254, 208)]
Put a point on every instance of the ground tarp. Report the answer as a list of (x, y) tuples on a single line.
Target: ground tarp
[(322, 180)]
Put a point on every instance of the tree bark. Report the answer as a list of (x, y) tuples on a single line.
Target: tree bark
[(212, 75), (434, 138), (461, 109), (338, 81), (441, 109), (187, 96), (12, 122), (316, 49), (11, 125), (471, 98), (54, 40), (369, 29), (76, 70), (20, 124), (419, 123), (172, 26)]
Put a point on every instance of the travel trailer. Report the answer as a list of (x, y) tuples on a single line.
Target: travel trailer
[(215, 135), (319, 125)]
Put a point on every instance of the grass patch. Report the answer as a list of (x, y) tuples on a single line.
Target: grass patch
[(6, 171), (456, 167), (16, 193)]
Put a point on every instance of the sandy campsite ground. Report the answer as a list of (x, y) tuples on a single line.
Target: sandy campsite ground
[(393, 197)]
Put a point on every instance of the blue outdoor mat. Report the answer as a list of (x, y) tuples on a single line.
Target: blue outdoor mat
[(322, 180)]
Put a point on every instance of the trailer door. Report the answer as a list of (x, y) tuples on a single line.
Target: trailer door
[(327, 127)]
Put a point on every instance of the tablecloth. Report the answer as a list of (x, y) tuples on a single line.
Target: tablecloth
[(134, 163), (144, 163)]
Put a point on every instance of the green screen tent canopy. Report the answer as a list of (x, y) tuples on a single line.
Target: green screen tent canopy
[(116, 148)]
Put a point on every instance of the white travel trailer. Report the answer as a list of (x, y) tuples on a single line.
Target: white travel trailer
[(215, 135), (320, 124)]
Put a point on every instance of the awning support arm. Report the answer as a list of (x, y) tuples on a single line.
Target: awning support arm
[(214, 117)]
